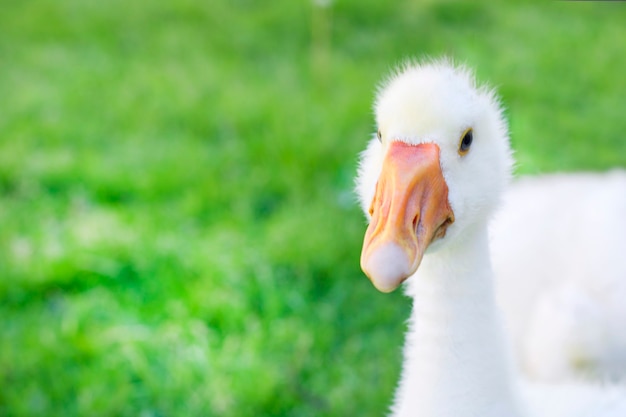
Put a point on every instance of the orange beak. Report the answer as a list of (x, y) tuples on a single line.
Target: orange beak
[(410, 209)]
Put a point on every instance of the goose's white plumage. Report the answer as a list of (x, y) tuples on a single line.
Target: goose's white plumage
[(557, 246), (424, 197)]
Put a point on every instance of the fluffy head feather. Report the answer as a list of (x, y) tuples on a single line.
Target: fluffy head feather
[(437, 101)]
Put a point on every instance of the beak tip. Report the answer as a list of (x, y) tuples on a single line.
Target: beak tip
[(387, 267), (385, 289)]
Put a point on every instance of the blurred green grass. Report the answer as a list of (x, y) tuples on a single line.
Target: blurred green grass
[(178, 231)]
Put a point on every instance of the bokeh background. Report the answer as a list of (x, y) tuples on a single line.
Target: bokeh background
[(178, 231)]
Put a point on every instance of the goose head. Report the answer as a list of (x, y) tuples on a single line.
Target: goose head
[(435, 169)]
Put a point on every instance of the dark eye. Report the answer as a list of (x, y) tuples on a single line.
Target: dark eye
[(466, 141), (379, 136)]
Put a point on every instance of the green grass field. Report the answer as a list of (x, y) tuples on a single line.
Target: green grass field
[(178, 233)]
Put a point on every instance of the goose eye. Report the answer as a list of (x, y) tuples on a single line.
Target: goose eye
[(379, 136), (466, 141)]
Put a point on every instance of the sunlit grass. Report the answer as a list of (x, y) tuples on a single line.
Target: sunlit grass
[(178, 231)]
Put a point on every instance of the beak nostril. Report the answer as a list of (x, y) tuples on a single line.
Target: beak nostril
[(415, 221)]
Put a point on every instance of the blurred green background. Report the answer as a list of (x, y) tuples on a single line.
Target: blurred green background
[(178, 231)]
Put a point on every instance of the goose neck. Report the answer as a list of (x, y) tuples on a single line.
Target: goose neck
[(456, 363)]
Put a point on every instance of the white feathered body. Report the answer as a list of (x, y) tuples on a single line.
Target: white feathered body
[(573, 399), (558, 247)]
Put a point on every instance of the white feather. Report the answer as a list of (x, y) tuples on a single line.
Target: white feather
[(559, 254)]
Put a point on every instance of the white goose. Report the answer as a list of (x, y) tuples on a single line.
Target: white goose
[(430, 183)]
